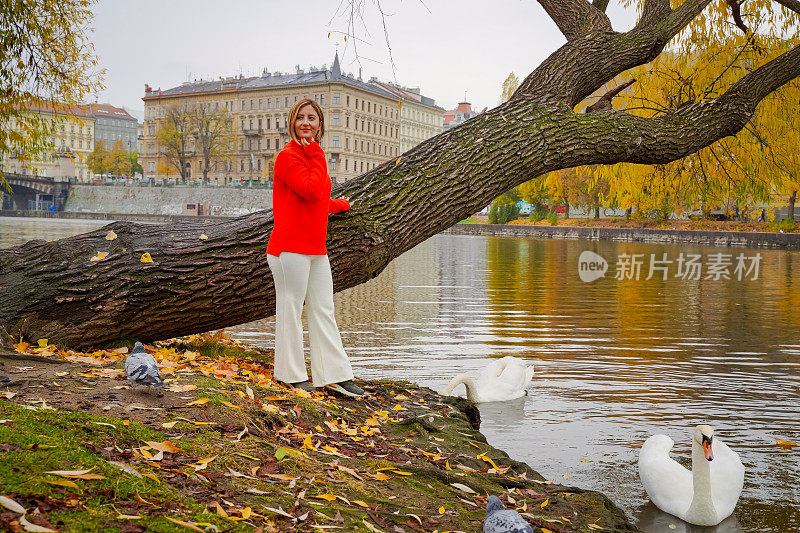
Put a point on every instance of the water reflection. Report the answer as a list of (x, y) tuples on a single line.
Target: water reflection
[(616, 361)]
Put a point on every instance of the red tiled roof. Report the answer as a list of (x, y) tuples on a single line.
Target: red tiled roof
[(464, 107), (106, 110)]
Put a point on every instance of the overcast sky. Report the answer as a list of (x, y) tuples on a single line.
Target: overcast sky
[(447, 48)]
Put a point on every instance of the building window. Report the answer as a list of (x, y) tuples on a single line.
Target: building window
[(348, 100), (242, 124), (287, 102), (345, 164), (251, 145), (335, 143), (346, 144), (335, 120), (333, 164), (243, 105), (269, 103), (259, 164), (268, 123), (241, 168), (241, 146), (356, 102), (369, 107), (336, 98), (276, 144), (322, 99), (316, 98), (259, 124), (362, 166), (347, 122), (251, 123)]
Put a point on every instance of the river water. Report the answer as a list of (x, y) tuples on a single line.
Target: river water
[(616, 359)]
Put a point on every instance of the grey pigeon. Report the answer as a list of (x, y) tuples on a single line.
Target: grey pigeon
[(502, 520), (141, 368)]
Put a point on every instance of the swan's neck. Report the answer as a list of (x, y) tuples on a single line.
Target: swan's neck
[(702, 506), (468, 382)]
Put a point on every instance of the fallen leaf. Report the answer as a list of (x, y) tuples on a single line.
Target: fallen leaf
[(34, 528), (282, 477), (199, 401), (146, 258), (8, 395), (362, 504), (169, 425), (785, 443), (42, 343), (76, 474), (229, 404), (544, 503), (182, 388), (110, 236), (165, 446), (129, 517), (11, 505), (184, 524), (379, 476), (203, 237), (249, 392), (99, 257), (464, 488), (441, 510)]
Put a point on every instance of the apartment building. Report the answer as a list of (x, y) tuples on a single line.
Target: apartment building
[(114, 124), (362, 122), (420, 117), (73, 137)]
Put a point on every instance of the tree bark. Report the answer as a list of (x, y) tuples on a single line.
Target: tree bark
[(52, 289), (792, 200)]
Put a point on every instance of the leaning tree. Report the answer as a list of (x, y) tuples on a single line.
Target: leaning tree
[(205, 277)]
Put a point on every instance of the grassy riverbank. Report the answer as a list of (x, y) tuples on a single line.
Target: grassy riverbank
[(784, 226), (228, 449)]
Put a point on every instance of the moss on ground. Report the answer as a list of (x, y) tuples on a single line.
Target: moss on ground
[(241, 453)]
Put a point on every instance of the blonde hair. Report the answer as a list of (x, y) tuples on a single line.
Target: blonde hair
[(293, 118)]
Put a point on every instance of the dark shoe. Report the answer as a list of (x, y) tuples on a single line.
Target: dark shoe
[(303, 385), (348, 388)]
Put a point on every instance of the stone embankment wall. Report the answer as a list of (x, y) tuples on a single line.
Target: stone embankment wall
[(788, 241), (223, 201)]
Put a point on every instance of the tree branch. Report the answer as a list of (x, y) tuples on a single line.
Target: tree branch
[(736, 11), (793, 5), (576, 18), (601, 5), (604, 103), (586, 63)]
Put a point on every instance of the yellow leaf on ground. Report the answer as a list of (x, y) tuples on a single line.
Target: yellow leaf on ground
[(379, 476), (441, 510), (110, 236), (203, 237), (220, 510), (181, 388), (70, 473), (146, 258), (282, 477), (185, 524), (154, 478), (129, 517), (34, 528), (99, 257), (165, 446), (398, 407), (139, 498), (307, 444), (327, 497), (229, 404), (785, 443), (199, 401), (169, 425), (63, 483), (362, 504), (42, 343), (249, 392), (402, 472), (544, 503)]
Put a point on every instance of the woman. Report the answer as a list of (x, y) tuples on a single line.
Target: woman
[(296, 254)]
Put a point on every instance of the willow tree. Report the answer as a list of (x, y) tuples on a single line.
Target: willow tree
[(205, 277), (47, 62), (760, 165)]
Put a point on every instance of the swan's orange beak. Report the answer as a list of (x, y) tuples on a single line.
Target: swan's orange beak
[(707, 448)]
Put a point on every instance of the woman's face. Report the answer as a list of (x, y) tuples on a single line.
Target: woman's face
[(307, 124)]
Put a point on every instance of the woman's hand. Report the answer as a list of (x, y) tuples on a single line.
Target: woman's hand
[(304, 142)]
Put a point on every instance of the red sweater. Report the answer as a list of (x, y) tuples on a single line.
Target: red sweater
[(301, 201)]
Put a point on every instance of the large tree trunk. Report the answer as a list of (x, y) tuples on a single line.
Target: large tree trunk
[(53, 290), (792, 200)]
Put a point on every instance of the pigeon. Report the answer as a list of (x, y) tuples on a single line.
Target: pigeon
[(502, 520), (141, 368)]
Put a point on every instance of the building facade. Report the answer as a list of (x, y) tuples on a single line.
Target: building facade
[(459, 115), (420, 117), (362, 123), (114, 124), (73, 138)]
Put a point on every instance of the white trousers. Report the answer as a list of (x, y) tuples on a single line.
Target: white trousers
[(300, 277)]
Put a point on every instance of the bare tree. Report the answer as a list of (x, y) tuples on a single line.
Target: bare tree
[(173, 135), (212, 131), (52, 289)]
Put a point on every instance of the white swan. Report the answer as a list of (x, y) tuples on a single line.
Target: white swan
[(502, 380), (706, 495)]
